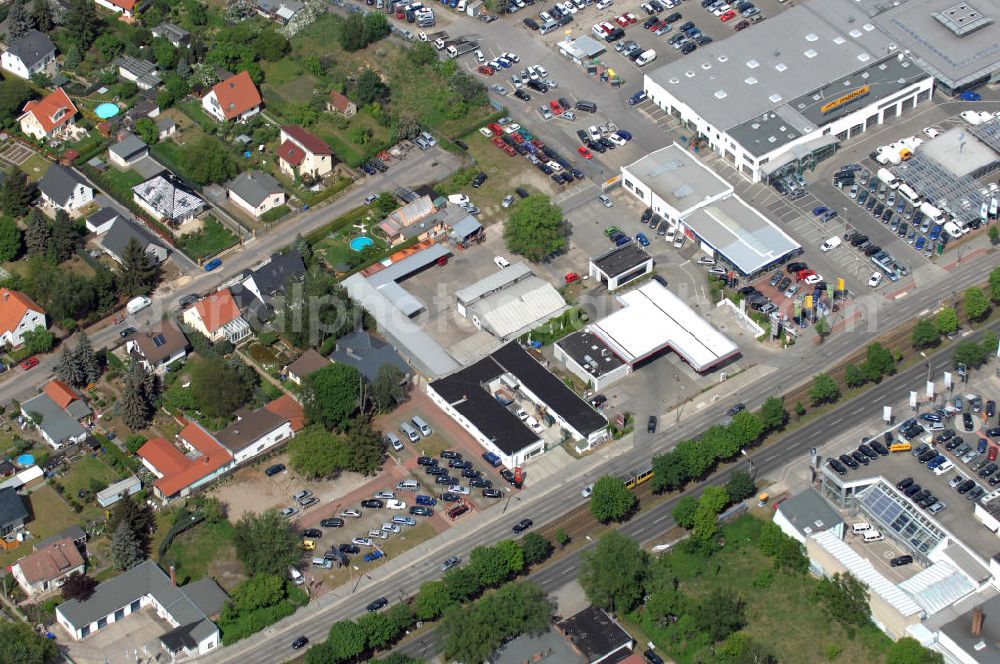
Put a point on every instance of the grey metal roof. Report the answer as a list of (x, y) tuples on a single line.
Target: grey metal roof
[(677, 178), (790, 54), (12, 509), (56, 422), (741, 234), (171, 31), (466, 226), (404, 268), (129, 147), (809, 512), (118, 488), (518, 307), (74, 532), (367, 354), (957, 60), (32, 48), (123, 230), (983, 648), (254, 186), (493, 282), (102, 216), (959, 152), (59, 182), (582, 47)]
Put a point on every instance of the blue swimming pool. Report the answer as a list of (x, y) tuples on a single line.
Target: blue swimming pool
[(107, 110), (361, 242), (25, 460)]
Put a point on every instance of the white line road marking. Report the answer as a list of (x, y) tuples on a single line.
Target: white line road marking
[(660, 519)]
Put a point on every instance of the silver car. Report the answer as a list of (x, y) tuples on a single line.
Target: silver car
[(546, 113), (603, 198)]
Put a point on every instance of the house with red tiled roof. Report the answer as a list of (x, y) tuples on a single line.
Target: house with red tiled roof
[(178, 473), (218, 317), (338, 103), (48, 568), (18, 314), (126, 8), (303, 153), (257, 431), (290, 409), (47, 117), (235, 98)]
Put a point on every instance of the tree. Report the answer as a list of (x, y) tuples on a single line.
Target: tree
[(845, 599), (377, 629), (83, 23), (72, 59), (38, 340), (432, 600), (270, 45), (41, 16), (376, 26), (824, 390), (613, 574), (79, 587), (366, 447), (65, 238), (562, 538), (908, 650), (10, 239), (69, 369), (126, 548), (137, 517), (719, 614), (316, 453), (13, 93), (108, 45), (711, 503), (972, 354), (739, 648), (37, 234), (423, 53), (535, 228), (471, 634), (773, 414), (389, 387), (205, 163), (316, 309), (745, 429), (146, 129), (854, 376), (346, 641), (494, 564), (461, 583), (975, 304), (879, 362), (683, 511), (994, 233), (332, 395), (15, 194), (611, 500), (925, 334), (138, 273), (207, 376), (994, 282), (398, 657), (137, 397), (90, 365), (20, 644), (369, 88), (740, 486), (822, 328), (669, 472), (266, 544), (536, 548), (946, 321), (18, 21)]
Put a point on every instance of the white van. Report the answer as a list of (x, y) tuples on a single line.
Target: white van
[(425, 430), (944, 468), (394, 440), (137, 304), (832, 243), (409, 432), (322, 562), (872, 536), (296, 576), (646, 58), (546, 28), (861, 527), (407, 485)]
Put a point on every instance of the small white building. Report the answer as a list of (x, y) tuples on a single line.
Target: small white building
[(254, 432), (128, 151), (48, 568), (510, 302), (62, 188), (255, 192), (805, 514), (18, 315), (29, 55), (126, 487), (621, 265)]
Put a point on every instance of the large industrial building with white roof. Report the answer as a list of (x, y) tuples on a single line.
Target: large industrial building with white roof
[(827, 74)]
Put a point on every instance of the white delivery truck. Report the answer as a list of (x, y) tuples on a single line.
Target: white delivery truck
[(646, 58), (887, 177), (137, 304)]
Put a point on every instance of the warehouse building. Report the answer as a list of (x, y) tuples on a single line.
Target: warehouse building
[(510, 302), (826, 75), (700, 204)]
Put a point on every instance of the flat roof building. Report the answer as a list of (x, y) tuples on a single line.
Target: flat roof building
[(620, 265), (825, 75), (806, 513), (509, 302)]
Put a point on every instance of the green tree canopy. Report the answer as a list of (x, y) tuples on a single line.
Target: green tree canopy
[(389, 387), (975, 304), (946, 321), (316, 453), (145, 128), (138, 273), (494, 564), (206, 162), (773, 414), (10, 239), (20, 644), (845, 599), (536, 548), (854, 376), (266, 544), (13, 93), (611, 501), (366, 447), (332, 395), (683, 511), (824, 390), (719, 614), (535, 228), (711, 503), (613, 573), (206, 377), (15, 194), (472, 633), (994, 281), (432, 600), (908, 650), (879, 362), (925, 334), (369, 88), (740, 486)]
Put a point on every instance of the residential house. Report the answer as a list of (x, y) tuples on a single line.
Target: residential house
[(419, 219), (167, 199), (309, 362), (186, 608), (47, 117), (290, 409), (303, 153), (74, 533), (367, 354), (99, 222), (218, 317), (57, 413), (255, 192), (235, 98), (174, 34), (127, 151), (256, 293), (280, 11), (141, 72), (29, 55), (158, 347), (338, 103), (13, 512), (256, 431), (179, 473), (48, 568), (64, 189), (126, 9), (18, 315), (122, 231)]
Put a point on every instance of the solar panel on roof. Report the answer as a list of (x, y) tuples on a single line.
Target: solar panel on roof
[(159, 340)]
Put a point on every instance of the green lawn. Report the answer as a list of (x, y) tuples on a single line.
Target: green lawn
[(335, 250), (119, 183), (88, 471), (49, 514), (212, 238), (195, 552), (35, 167), (168, 153)]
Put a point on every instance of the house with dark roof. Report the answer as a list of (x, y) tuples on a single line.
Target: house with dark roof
[(158, 347), (233, 99), (179, 472), (141, 72), (596, 636), (74, 533), (167, 199), (122, 231), (47, 117), (269, 279), (307, 363), (254, 432), (99, 222), (188, 609), (48, 568), (127, 151), (367, 354), (174, 34), (339, 103), (303, 153), (18, 315), (62, 188), (57, 412), (29, 55), (13, 512), (255, 192)]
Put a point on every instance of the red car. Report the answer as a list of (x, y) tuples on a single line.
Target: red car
[(803, 274), (29, 363), (495, 128), (630, 17), (485, 70), (653, 27), (727, 16), (621, 20), (571, 277), (584, 152), (556, 108)]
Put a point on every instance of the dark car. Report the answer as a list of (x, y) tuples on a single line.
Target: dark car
[(299, 643), (993, 432), (522, 95), (912, 490), (967, 421), (927, 456), (904, 483), (736, 409), (508, 475), (530, 23), (867, 451), (349, 548), (450, 497), (332, 523), (965, 486), (480, 483), (436, 470), (838, 467), (796, 267), (521, 526), (372, 503), (444, 479), (492, 493), (861, 458), (471, 473), (521, 192), (991, 408), (944, 436), (651, 424), (420, 510), (188, 300), (849, 462), (450, 454), (313, 532), (879, 447), (426, 461), (127, 332), (459, 463), (380, 603), (426, 500), (899, 561), (271, 471), (652, 657), (478, 180)]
